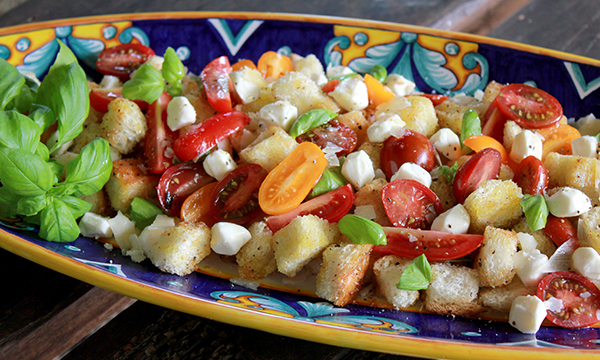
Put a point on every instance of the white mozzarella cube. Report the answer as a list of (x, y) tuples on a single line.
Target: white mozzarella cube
[(122, 228), (455, 220), (336, 71), (527, 241), (526, 143), (218, 164), (228, 238), (156, 62), (586, 261), (110, 82), (94, 225), (358, 169), (527, 314), (114, 153), (568, 202), (399, 85), (585, 146), (280, 113), (385, 127), (478, 94), (447, 143), (413, 171), (180, 113), (530, 266), (248, 84), (351, 94)]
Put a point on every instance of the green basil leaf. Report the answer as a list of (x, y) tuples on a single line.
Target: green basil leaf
[(76, 206), (57, 223), (57, 169), (448, 172), (147, 85), (536, 211), (379, 73), (416, 276), (90, 170), (471, 125), (311, 120), (362, 231), (8, 199), (23, 173), (173, 72), (22, 102), (42, 116), (331, 179), (143, 212), (18, 132), (11, 82), (31, 205)]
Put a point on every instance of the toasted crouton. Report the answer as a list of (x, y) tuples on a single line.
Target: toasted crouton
[(575, 171), (269, 148), (180, 248), (416, 111), (544, 243), (370, 194), (388, 270), (588, 230), (442, 187), (303, 93), (342, 272), (511, 130), (374, 152), (100, 203), (500, 299), (124, 125), (450, 113), (495, 260), (90, 132), (301, 241), (356, 121), (198, 99), (491, 91), (129, 179), (453, 290), (495, 203), (256, 259)]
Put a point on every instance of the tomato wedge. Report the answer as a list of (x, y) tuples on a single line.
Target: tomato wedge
[(290, 182), (436, 99), (411, 147), (560, 230), (196, 208), (330, 85), (122, 60), (100, 98), (557, 138), (532, 176), (177, 183), (159, 138), (580, 299), (480, 142), (408, 203), (235, 198), (200, 138), (378, 94), (332, 132), (273, 65), (331, 206), (436, 245), (484, 165), (215, 78)]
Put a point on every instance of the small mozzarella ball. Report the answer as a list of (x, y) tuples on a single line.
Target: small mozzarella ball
[(110, 81), (180, 113), (455, 220), (585, 146), (414, 172), (399, 85), (382, 129), (568, 202), (228, 238), (529, 265), (527, 314), (280, 113), (586, 261), (94, 225), (248, 84), (526, 143), (447, 143), (351, 94), (218, 164), (358, 169)]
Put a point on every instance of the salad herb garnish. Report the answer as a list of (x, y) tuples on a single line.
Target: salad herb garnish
[(362, 231), (536, 211), (311, 120), (417, 275)]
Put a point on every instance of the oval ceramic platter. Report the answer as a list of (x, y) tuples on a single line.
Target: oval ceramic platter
[(436, 61)]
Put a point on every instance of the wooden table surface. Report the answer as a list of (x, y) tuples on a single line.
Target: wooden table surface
[(44, 314)]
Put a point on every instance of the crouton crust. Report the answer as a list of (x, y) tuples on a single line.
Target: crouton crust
[(500, 299), (495, 203), (416, 111), (270, 148), (388, 270), (124, 125), (256, 259), (495, 260), (588, 230), (453, 290), (575, 171), (129, 179), (356, 121), (303, 93), (370, 194)]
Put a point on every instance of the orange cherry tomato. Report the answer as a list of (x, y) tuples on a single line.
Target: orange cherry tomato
[(196, 208), (273, 65), (378, 94), (244, 63), (290, 182), (557, 138), (480, 142)]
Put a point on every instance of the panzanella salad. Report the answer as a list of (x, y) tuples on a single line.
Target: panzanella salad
[(458, 205)]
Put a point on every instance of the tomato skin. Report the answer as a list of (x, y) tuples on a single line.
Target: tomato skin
[(100, 98), (330, 85), (273, 65), (436, 245), (560, 230), (411, 147), (331, 206), (410, 204), (200, 138), (484, 165), (235, 198), (122, 60), (159, 136), (532, 176), (196, 207), (177, 183), (436, 99), (215, 78), (577, 311), (333, 132)]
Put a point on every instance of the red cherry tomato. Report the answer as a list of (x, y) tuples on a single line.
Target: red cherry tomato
[(159, 137), (178, 182), (215, 78), (408, 203), (100, 98), (580, 299), (235, 198), (436, 99), (411, 147), (484, 165), (529, 107), (560, 230), (436, 245), (331, 206), (122, 60), (532, 176), (333, 132), (200, 138), (330, 85)]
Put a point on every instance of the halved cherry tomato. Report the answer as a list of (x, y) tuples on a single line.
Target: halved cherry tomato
[(333, 132), (100, 98), (529, 107), (558, 139), (560, 230), (484, 165), (330, 85), (122, 60), (244, 63), (200, 138), (235, 198), (215, 78), (411, 147), (159, 137), (290, 182), (196, 208), (273, 65), (580, 299), (532, 176), (331, 206), (436, 99), (410, 204), (177, 183), (378, 94), (480, 142), (436, 245)]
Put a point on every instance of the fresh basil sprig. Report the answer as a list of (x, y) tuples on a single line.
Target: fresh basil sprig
[(536, 211), (330, 180), (362, 231), (379, 73), (416, 276), (18, 131), (471, 125), (311, 120), (448, 172), (143, 212), (173, 72), (147, 85), (11, 83)]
